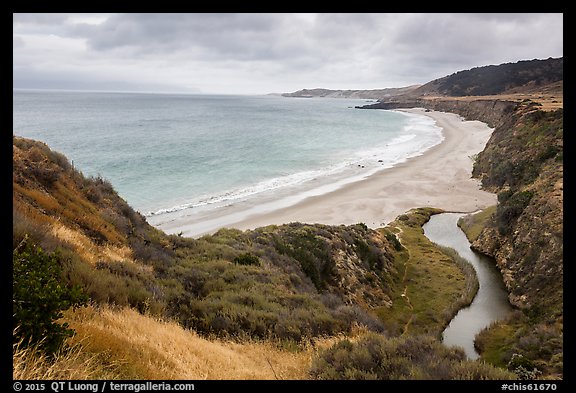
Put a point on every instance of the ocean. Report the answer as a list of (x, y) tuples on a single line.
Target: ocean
[(172, 156)]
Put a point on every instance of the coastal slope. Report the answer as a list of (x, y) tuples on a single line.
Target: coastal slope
[(272, 296)]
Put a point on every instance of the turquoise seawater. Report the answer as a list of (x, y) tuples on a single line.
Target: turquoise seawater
[(167, 153)]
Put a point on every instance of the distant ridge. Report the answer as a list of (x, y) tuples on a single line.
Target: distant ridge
[(525, 76), (375, 94), (518, 77), (540, 81)]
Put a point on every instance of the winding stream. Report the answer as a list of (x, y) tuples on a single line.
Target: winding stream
[(491, 301)]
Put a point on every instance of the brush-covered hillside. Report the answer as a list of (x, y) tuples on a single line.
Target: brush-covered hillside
[(134, 302), (522, 76)]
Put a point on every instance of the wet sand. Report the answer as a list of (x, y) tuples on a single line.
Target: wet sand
[(440, 177)]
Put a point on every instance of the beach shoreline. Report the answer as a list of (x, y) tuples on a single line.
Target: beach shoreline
[(440, 177)]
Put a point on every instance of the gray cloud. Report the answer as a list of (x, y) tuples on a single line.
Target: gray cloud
[(212, 36), (279, 52), (428, 46), (39, 19), (17, 42)]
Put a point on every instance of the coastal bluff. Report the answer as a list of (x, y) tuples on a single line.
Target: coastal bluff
[(491, 111), (523, 164)]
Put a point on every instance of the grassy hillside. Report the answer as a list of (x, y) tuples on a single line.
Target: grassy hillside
[(256, 300), (123, 344)]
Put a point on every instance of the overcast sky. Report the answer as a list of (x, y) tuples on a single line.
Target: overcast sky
[(268, 53)]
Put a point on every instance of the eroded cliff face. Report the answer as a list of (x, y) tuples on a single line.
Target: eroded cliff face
[(523, 163), (530, 257), (490, 111)]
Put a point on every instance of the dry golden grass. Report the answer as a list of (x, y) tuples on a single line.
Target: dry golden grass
[(119, 254), (87, 249), (40, 197), (31, 364), (549, 101), (144, 347), (123, 344)]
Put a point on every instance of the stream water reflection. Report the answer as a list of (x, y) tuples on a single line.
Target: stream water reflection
[(491, 301)]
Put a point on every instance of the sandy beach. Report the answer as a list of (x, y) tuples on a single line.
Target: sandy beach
[(440, 177)]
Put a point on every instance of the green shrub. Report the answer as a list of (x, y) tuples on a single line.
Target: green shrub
[(369, 254), (510, 209), (550, 151), (39, 297), (408, 357), (503, 196), (394, 240), (247, 259), (312, 251), (523, 367)]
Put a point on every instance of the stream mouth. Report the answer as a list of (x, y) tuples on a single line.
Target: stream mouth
[(491, 302)]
